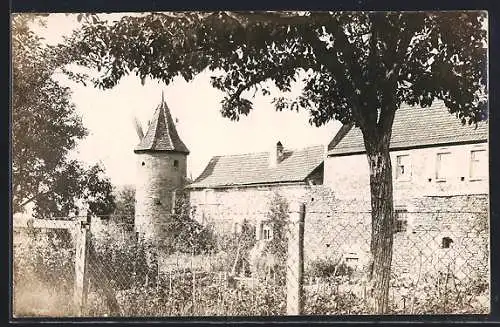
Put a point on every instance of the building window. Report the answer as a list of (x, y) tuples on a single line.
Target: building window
[(267, 233), (443, 166), (400, 220), (236, 228), (176, 163), (478, 164), (403, 168), (209, 196)]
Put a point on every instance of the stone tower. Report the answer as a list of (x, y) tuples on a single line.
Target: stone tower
[(161, 171)]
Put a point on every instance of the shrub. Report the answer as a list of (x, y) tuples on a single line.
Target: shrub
[(275, 251), (183, 233), (236, 247), (328, 267), (117, 255)]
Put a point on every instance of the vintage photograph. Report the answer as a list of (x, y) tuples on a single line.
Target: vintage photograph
[(280, 163)]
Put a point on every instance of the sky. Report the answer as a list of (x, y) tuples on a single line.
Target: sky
[(109, 114)]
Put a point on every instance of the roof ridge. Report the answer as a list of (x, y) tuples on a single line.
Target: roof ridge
[(266, 152)]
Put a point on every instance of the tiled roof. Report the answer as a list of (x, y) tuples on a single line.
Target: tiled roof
[(415, 127), (161, 134), (254, 168)]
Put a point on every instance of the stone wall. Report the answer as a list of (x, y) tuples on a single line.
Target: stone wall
[(338, 214), (226, 208), (341, 228)]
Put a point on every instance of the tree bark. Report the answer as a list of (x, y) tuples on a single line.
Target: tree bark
[(379, 272)]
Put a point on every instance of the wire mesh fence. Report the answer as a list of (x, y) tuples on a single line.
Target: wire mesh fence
[(440, 264), (43, 265)]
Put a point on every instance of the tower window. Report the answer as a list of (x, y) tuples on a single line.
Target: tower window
[(176, 163), (143, 163)]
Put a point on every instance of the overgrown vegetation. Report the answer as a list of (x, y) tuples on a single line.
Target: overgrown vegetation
[(278, 219), (43, 273), (201, 284), (328, 267), (183, 233)]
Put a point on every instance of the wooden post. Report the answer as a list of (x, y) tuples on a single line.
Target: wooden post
[(82, 236), (295, 262)]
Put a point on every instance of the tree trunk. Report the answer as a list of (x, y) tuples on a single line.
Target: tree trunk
[(379, 274)]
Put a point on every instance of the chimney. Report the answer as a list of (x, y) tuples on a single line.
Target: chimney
[(276, 155), (279, 152)]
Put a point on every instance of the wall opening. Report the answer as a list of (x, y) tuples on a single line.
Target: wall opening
[(143, 163), (446, 242), (176, 163), (400, 220)]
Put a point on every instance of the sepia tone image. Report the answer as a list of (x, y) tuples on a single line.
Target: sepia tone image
[(250, 164)]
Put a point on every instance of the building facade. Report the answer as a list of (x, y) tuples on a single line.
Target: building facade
[(441, 191), (237, 188)]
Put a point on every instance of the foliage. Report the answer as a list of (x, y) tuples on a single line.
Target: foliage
[(185, 234), (437, 293), (415, 56), (117, 257), (328, 267), (212, 297), (236, 247), (124, 212), (45, 128), (278, 219)]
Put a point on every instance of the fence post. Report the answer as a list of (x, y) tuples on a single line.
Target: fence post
[(82, 235), (295, 262)]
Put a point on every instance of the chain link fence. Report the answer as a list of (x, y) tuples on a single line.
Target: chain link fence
[(262, 268), (43, 267)]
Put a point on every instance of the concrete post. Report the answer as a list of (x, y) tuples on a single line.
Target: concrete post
[(82, 239), (295, 261)]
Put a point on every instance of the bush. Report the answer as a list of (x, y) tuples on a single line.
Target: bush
[(183, 233), (273, 258), (117, 256), (236, 247), (328, 267)]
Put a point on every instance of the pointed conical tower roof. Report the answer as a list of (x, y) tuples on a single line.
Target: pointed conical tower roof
[(161, 134)]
